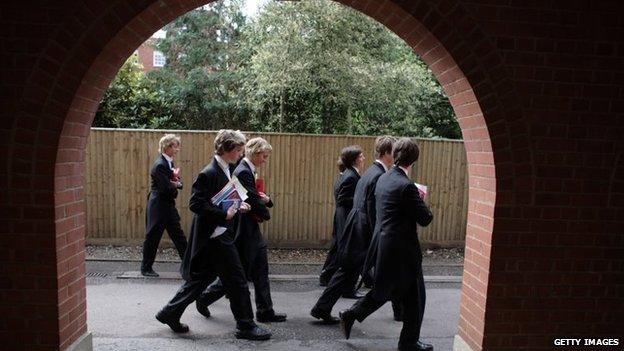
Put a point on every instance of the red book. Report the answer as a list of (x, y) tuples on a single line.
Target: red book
[(260, 189), (176, 174), (422, 190), (260, 185)]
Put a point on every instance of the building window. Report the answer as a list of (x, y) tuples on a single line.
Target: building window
[(159, 59)]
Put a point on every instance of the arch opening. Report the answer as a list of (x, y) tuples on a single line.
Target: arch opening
[(434, 34)]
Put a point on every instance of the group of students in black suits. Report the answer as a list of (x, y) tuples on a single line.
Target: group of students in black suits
[(225, 249), (374, 236)]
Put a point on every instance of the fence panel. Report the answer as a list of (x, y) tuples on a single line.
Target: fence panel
[(299, 177)]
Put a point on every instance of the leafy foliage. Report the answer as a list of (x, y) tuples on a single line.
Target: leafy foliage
[(202, 73), (304, 67), (131, 102)]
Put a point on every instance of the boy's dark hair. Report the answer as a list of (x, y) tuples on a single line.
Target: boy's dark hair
[(348, 155), (383, 145), (405, 152)]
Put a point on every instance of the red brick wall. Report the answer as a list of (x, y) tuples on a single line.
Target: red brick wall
[(145, 54), (556, 266), (537, 88)]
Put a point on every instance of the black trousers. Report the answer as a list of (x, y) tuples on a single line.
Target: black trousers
[(343, 281), (154, 231), (413, 303), (226, 264), (258, 275), (331, 265)]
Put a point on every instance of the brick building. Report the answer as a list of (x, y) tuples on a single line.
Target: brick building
[(538, 89), (149, 58)]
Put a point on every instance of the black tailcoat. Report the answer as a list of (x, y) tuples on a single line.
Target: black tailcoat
[(161, 213), (344, 189), (399, 258), (360, 223), (206, 217), (249, 239), (162, 195)]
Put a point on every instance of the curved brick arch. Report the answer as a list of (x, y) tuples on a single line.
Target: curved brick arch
[(538, 93), (545, 79), (451, 25)]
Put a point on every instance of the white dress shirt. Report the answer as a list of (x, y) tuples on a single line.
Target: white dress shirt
[(251, 165), (224, 166), (226, 169), (169, 159)]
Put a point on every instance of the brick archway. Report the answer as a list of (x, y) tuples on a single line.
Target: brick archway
[(414, 30), (522, 189)]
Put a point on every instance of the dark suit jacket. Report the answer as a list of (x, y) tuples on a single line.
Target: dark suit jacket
[(344, 189), (206, 217), (399, 259), (249, 239), (360, 223), (162, 195)]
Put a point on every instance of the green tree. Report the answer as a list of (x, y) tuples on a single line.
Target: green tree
[(319, 67), (116, 107), (201, 76), (131, 102), (305, 67)]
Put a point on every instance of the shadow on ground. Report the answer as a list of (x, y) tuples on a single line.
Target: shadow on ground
[(121, 317)]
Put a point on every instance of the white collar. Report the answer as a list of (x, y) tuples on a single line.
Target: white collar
[(383, 165), (224, 165), (168, 158), (251, 165)]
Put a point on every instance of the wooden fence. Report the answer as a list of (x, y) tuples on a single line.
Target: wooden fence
[(299, 178)]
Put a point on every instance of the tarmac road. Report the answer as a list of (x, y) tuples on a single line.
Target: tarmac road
[(120, 316)]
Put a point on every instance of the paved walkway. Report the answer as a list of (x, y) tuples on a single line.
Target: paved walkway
[(121, 317)]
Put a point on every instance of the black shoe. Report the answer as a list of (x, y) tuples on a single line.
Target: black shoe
[(149, 273), (324, 315), (271, 317), (353, 295), (255, 333), (174, 324), (202, 308), (417, 346), (346, 322)]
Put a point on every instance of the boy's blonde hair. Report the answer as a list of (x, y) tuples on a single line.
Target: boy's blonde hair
[(168, 140), (256, 146)]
